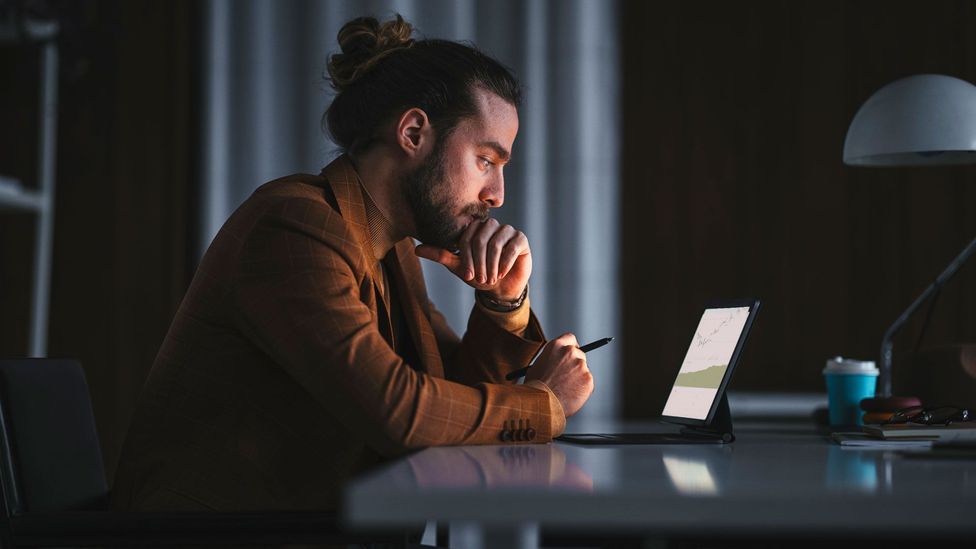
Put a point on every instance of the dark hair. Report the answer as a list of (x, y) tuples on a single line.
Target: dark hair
[(382, 72)]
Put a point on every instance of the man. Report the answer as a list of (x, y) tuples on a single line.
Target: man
[(306, 349)]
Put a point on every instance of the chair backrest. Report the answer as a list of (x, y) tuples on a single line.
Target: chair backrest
[(50, 459)]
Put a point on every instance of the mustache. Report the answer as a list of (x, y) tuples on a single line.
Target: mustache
[(479, 211)]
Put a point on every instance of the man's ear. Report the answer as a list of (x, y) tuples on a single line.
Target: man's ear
[(414, 132)]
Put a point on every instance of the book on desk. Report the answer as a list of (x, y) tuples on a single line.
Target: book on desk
[(864, 441), (962, 431)]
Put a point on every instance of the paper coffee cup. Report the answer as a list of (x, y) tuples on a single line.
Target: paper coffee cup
[(848, 382)]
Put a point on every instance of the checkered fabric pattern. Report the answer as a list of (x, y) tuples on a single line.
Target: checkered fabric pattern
[(278, 381)]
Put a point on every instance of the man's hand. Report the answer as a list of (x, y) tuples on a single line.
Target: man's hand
[(562, 367), (494, 258)]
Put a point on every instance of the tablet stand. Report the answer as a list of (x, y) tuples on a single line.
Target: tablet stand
[(718, 431), (720, 427)]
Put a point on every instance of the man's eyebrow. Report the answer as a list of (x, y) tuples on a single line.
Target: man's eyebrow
[(502, 152)]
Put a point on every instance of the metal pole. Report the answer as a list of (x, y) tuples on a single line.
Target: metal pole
[(887, 343), (47, 143)]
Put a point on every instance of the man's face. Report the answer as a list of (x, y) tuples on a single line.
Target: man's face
[(461, 177)]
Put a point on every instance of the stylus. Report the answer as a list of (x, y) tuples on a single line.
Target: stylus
[(585, 348)]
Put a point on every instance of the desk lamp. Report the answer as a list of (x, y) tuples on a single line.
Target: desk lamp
[(921, 120)]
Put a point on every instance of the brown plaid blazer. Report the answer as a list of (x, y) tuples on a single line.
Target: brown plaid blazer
[(278, 380)]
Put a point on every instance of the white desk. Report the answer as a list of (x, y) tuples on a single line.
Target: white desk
[(773, 481)]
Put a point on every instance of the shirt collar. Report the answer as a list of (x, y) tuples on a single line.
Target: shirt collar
[(382, 235)]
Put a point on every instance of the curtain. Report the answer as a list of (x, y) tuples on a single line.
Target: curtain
[(264, 96)]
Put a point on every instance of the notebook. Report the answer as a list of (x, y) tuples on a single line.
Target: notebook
[(961, 431), (697, 400)]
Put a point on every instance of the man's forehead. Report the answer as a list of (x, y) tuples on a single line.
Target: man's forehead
[(491, 106), (495, 126)]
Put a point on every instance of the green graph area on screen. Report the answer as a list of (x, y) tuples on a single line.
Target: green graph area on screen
[(708, 378)]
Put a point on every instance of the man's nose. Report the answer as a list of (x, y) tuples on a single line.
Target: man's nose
[(494, 193)]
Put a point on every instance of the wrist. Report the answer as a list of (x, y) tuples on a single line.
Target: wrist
[(500, 303)]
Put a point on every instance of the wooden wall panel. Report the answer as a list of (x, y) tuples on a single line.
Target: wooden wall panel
[(123, 243), (734, 122)]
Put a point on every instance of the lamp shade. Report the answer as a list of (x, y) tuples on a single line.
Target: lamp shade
[(921, 120)]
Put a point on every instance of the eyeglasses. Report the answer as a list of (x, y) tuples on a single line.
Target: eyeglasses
[(929, 415)]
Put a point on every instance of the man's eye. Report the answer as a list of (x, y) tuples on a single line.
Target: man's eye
[(484, 162)]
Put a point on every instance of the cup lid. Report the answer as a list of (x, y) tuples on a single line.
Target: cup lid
[(841, 365)]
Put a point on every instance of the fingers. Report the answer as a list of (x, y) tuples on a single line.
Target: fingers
[(467, 272), (569, 351), (500, 243), (440, 255), (577, 358), (487, 253), (489, 250), (571, 354), (562, 366), (477, 245), (515, 247), (568, 339)]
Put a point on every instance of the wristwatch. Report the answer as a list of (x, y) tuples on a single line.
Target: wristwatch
[(501, 306)]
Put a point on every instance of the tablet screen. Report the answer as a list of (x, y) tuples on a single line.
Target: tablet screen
[(706, 362)]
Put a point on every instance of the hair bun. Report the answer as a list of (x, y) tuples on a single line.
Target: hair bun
[(364, 42)]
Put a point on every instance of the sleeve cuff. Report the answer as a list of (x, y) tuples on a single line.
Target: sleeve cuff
[(557, 415), (513, 321)]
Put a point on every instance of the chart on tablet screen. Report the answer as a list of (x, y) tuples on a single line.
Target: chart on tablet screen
[(705, 363)]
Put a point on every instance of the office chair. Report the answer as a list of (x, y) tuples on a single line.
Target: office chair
[(54, 488)]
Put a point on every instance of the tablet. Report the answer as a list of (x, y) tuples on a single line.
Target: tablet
[(697, 399), (709, 362)]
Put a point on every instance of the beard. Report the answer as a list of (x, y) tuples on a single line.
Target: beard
[(428, 193)]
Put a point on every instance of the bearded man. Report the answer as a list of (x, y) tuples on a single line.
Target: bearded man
[(306, 349)]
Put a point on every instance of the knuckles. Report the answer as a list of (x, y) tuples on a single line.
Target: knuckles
[(567, 339)]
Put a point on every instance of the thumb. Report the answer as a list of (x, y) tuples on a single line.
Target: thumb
[(439, 255)]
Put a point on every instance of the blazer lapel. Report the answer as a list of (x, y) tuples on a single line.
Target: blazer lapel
[(344, 181), (408, 275)]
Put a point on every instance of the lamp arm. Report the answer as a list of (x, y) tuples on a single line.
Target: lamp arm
[(887, 343)]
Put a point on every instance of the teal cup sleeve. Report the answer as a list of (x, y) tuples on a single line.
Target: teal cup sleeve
[(844, 395)]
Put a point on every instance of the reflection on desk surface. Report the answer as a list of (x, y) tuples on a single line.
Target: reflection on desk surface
[(772, 478), (757, 464), (690, 476), (495, 467)]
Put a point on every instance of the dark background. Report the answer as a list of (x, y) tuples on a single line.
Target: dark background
[(124, 222), (734, 117), (733, 185)]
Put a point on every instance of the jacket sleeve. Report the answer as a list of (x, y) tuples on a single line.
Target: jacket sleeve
[(297, 297), (488, 351), (492, 347)]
